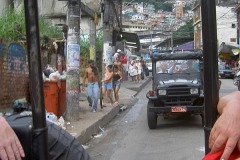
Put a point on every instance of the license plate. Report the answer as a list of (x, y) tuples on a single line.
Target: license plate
[(179, 109)]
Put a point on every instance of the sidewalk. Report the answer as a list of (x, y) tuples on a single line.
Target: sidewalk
[(90, 123)]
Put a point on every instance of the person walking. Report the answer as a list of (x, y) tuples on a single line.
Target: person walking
[(139, 70), (143, 66), (133, 71), (118, 63), (117, 77), (92, 74), (107, 84)]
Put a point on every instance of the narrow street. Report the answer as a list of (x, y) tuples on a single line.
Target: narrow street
[(128, 137)]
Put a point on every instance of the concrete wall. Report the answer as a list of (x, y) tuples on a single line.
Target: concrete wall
[(225, 18), (93, 4), (3, 5)]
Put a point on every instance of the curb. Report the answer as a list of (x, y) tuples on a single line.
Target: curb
[(86, 135), (142, 86)]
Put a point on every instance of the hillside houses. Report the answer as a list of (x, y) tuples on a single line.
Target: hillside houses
[(139, 17)]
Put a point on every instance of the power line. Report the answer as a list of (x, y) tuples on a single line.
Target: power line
[(224, 14)]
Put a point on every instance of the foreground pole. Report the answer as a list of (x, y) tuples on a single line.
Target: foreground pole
[(36, 80), (210, 55)]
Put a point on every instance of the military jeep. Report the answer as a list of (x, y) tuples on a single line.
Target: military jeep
[(177, 85)]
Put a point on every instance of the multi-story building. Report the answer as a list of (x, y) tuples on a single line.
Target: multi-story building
[(138, 17), (197, 24), (140, 8), (133, 27), (179, 11), (149, 9), (226, 27)]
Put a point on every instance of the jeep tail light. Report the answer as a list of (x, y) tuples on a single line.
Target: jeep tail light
[(151, 92)]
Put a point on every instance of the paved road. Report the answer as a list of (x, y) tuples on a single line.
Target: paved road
[(128, 137)]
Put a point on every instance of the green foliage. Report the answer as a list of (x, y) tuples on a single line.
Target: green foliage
[(188, 8), (99, 51), (49, 30), (85, 47), (163, 6), (185, 31), (12, 26)]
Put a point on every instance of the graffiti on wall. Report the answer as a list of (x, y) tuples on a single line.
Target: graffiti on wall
[(14, 74), (2, 50), (2, 55), (16, 57)]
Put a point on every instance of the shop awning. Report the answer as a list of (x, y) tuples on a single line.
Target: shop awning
[(227, 50), (130, 39)]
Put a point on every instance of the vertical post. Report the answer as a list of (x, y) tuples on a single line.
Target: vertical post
[(36, 80), (151, 44), (107, 35), (171, 39), (211, 92), (73, 61), (92, 40)]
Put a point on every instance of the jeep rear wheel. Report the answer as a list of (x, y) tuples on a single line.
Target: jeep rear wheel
[(151, 116)]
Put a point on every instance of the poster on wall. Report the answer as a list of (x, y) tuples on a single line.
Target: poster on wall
[(73, 56), (107, 54), (92, 52)]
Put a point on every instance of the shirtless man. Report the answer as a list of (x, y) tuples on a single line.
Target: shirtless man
[(91, 73)]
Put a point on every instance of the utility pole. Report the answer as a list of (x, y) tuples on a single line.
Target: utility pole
[(93, 38), (108, 49), (171, 27), (151, 52), (73, 60)]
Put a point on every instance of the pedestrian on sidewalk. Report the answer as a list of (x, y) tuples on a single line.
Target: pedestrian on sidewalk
[(92, 74), (133, 71), (143, 68), (118, 63), (117, 78), (139, 70), (107, 86)]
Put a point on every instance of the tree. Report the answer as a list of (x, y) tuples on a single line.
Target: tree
[(12, 26), (185, 31)]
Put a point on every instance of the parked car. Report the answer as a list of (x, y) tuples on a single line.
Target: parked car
[(177, 86), (225, 71), (148, 63)]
